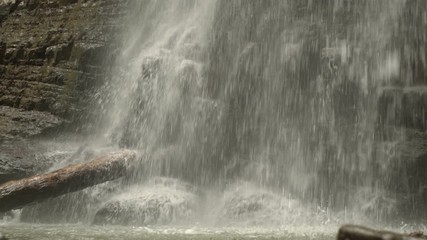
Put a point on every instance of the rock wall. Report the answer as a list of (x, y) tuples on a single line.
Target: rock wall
[(53, 54)]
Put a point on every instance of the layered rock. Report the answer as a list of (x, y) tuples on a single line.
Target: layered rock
[(53, 54), (18, 122)]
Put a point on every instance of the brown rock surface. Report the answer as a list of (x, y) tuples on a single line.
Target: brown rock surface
[(17, 122), (53, 54)]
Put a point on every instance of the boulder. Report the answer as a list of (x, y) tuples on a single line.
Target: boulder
[(245, 204), (161, 201)]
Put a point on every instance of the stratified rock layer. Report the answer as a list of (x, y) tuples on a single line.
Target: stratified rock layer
[(53, 54)]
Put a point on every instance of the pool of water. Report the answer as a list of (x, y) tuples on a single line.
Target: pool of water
[(58, 232)]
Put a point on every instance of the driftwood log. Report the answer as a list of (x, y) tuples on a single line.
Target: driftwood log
[(16, 194), (353, 232)]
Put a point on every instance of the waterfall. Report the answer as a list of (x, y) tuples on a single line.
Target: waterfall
[(282, 94), (300, 82), (279, 104), (155, 97)]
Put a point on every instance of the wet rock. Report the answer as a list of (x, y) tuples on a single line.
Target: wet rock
[(161, 201), (151, 66), (7, 216), (19, 158), (3, 237), (403, 107), (192, 52), (15, 162), (188, 79), (403, 148), (53, 69), (64, 209), (5, 7), (379, 203), (245, 204), (20, 123)]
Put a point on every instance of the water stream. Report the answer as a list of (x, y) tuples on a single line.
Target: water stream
[(253, 114)]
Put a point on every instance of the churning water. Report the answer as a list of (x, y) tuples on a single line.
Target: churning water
[(260, 113)]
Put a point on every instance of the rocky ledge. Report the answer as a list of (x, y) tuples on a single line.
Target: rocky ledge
[(53, 55), (18, 122)]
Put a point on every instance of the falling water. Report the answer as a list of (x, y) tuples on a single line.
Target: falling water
[(281, 94), (263, 112)]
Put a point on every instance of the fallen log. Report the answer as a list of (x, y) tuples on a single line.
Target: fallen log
[(353, 232), (16, 194)]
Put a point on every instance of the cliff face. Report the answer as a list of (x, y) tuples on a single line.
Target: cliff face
[(53, 54)]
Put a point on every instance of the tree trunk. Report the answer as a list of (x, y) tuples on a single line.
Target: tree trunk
[(15, 194), (352, 232)]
